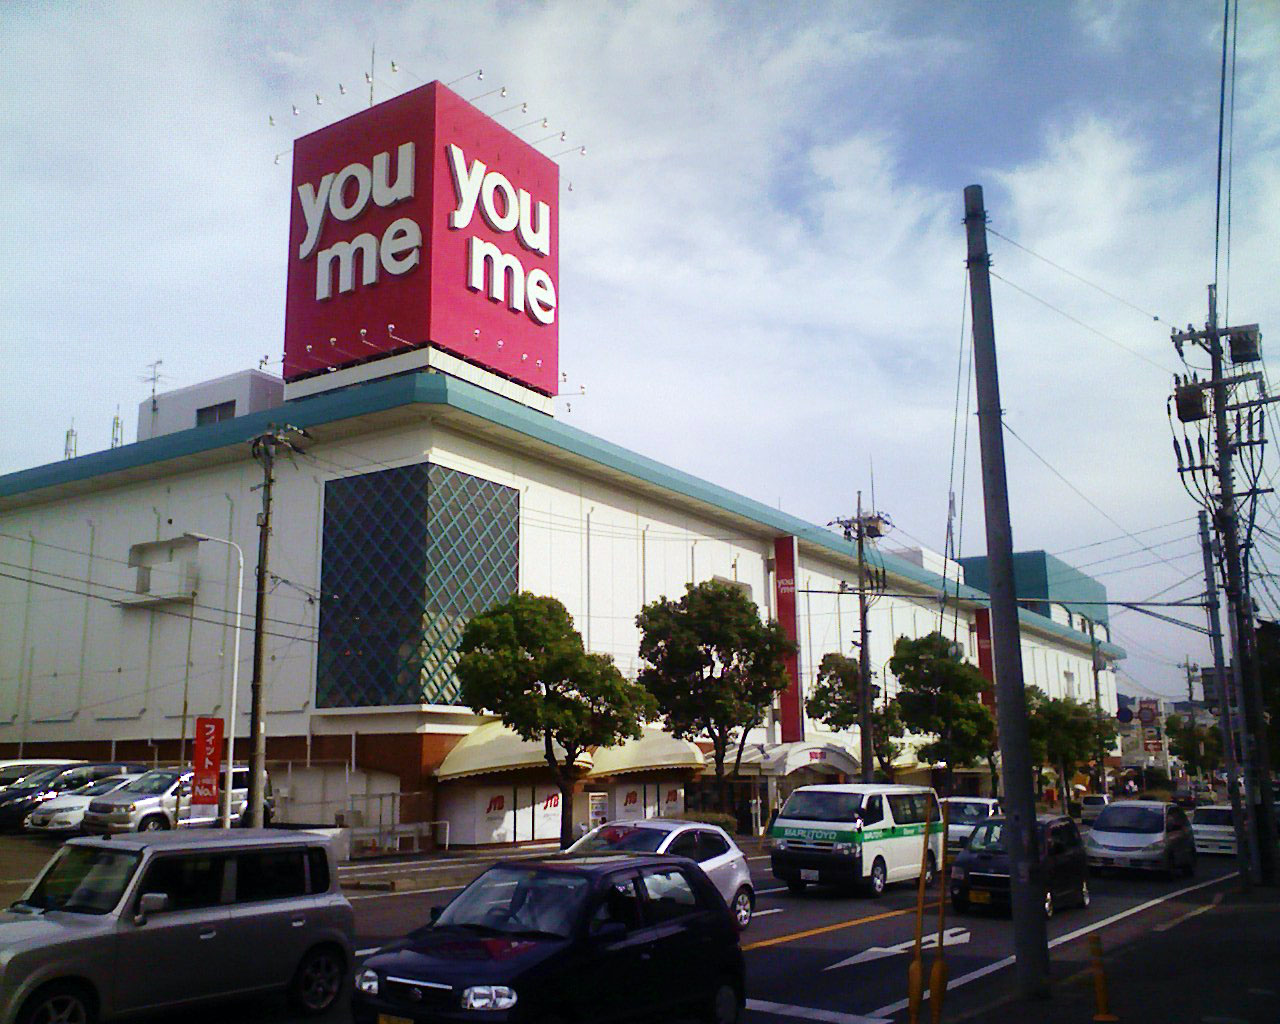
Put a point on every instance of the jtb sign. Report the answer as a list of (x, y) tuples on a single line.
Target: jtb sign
[(422, 221)]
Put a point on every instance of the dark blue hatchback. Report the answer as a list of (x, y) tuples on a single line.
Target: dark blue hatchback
[(583, 938)]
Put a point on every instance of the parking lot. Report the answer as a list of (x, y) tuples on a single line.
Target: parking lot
[(821, 955)]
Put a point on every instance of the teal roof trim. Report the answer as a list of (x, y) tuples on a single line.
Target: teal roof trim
[(438, 389)]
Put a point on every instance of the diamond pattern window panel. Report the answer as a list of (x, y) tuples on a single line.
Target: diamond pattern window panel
[(409, 555)]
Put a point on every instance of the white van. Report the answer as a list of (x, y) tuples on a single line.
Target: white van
[(863, 835)]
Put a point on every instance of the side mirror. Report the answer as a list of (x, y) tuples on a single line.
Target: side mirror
[(435, 914), (150, 903), (609, 931)]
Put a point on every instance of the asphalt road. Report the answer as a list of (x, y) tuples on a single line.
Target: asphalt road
[(798, 947)]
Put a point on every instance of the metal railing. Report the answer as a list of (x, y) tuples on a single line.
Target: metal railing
[(379, 823)]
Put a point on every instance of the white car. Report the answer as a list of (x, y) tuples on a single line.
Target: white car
[(1214, 829), (1091, 805), (64, 815), (708, 845), (963, 814)]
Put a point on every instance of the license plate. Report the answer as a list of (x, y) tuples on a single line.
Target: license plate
[(387, 1018), (978, 896), (808, 875)]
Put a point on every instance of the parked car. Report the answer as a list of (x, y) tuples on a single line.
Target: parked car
[(709, 845), (161, 799), (12, 771), (980, 875), (28, 793), (149, 922), (592, 937), (1214, 829), (865, 835), (963, 813), (1091, 805), (64, 814), (1149, 835)]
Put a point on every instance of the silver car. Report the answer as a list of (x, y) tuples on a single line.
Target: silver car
[(1214, 829), (1146, 834), (64, 815), (159, 920), (708, 845), (964, 813), (161, 799)]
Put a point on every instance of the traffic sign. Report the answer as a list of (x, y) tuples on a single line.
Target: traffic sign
[(1124, 716)]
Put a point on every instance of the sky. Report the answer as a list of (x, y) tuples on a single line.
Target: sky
[(762, 256)]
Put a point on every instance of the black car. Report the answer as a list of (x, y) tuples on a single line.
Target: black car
[(980, 875), (598, 938), (21, 799)]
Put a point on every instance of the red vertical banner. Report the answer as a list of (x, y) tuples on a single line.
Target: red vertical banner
[(206, 760), (784, 554)]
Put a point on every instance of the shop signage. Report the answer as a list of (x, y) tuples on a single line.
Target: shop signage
[(206, 760), (791, 700), (417, 222)]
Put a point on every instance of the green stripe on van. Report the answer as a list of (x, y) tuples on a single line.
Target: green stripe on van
[(841, 835)]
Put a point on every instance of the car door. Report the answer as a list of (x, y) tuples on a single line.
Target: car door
[(269, 909), (616, 979), (180, 953), (681, 936), (718, 861)]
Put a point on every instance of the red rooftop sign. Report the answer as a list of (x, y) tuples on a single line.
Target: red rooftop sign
[(422, 221)]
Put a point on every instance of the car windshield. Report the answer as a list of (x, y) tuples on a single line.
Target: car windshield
[(38, 778), (10, 775), (963, 812), (1122, 818), (518, 901), (620, 837), (82, 880), (988, 838), (101, 786), (819, 805), (1211, 816), (152, 783)]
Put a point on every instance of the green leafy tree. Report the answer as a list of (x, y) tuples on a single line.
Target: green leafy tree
[(713, 666), (1199, 747), (836, 701), (523, 661), (940, 695), (1064, 732)]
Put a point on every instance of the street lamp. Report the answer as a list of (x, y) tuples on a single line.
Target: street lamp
[(235, 669)]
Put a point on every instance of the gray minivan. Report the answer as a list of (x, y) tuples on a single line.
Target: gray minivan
[(159, 920)]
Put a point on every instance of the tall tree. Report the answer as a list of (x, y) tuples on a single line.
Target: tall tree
[(713, 666), (523, 661), (836, 701), (1199, 747), (1064, 733), (940, 695)]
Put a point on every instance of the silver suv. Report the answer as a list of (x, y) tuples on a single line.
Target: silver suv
[(145, 922), (161, 799)]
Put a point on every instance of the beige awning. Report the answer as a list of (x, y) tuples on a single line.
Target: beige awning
[(654, 750), (495, 748)]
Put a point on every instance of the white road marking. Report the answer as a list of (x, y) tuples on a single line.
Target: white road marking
[(951, 937), (368, 952), (406, 892), (764, 857), (808, 1013), (766, 892), (982, 972), (764, 913)]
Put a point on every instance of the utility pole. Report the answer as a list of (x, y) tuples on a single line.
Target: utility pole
[(1257, 773), (1245, 836), (867, 753), (1190, 669), (1030, 938), (264, 451)]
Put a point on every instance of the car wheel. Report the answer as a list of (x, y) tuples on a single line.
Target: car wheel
[(930, 869), (59, 1003), (724, 1006), (1085, 898), (317, 982), (1048, 904), (878, 880), (742, 907), (795, 886), (155, 823)]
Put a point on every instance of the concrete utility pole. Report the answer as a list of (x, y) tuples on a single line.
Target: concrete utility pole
[(1030, 938), (1259, 799), (264, 451), (1245, 840), (867, 751)]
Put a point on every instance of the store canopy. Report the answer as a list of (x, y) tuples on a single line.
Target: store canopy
[(495, 748), (654, 750), (780, 759)]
